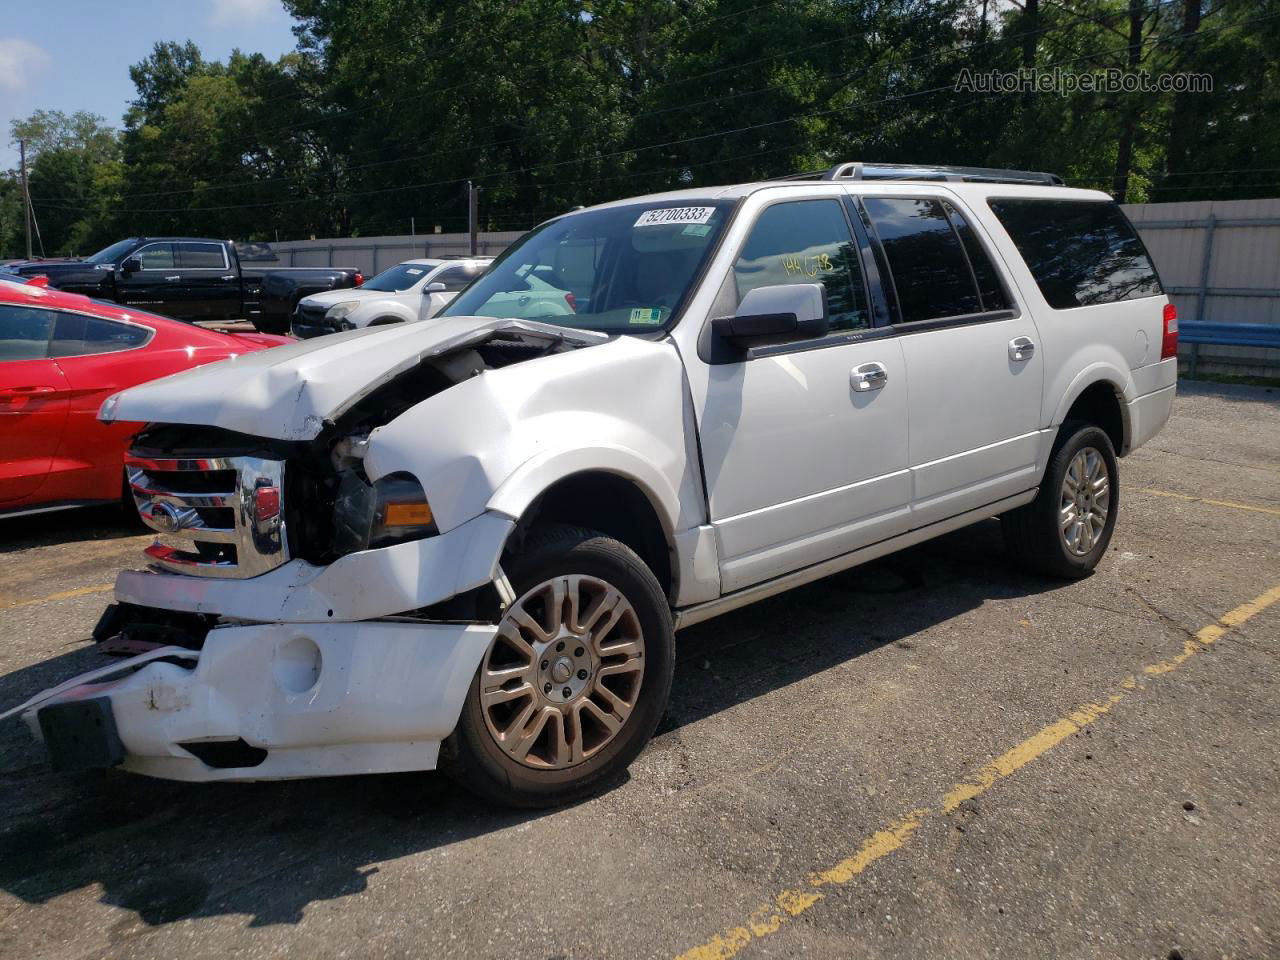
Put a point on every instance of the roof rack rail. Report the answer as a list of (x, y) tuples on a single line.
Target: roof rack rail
[(904, 171)]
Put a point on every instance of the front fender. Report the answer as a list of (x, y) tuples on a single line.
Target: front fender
[(499, 439), (514, 496), (365, 315)]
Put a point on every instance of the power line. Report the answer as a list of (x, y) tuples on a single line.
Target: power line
[(1155, 41), (720, 99)]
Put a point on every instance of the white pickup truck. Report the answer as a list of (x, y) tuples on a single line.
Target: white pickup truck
[(469, 543)]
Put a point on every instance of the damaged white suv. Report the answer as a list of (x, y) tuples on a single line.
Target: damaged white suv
[(468, 543)]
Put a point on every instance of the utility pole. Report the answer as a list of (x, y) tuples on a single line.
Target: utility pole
[(473, 214), (26, 193)]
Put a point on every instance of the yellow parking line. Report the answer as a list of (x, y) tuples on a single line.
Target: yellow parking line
[(770, 917), (1234, 505), (64, 595)]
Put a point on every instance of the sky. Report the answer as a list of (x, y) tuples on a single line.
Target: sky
[(74, 55)]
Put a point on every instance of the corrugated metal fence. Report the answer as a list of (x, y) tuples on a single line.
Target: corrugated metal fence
[(1220, 263), (372, 254), (1219, 260)]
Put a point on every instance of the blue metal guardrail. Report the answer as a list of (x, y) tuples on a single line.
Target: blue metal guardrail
[(1197, 332), (1230, 334)]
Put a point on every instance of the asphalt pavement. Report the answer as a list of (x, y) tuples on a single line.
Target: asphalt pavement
[(935, 755)]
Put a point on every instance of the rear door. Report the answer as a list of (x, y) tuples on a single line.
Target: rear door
[(33, 401), (972, 353), (209, 282)]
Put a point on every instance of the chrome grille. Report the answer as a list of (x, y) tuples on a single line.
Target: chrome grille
[(217, 516)]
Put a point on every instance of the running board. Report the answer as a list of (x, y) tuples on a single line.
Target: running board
[(798, 578)]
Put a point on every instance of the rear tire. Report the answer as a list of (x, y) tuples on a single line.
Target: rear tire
[(577, 679), (1065, 530)]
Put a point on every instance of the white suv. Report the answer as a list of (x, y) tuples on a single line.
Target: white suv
[(468, 543), (413, 290)]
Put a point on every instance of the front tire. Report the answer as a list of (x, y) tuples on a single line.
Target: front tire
[(1065, 531), (271, 324), (576, 680)]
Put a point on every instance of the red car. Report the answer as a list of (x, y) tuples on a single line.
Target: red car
[(61, 355)]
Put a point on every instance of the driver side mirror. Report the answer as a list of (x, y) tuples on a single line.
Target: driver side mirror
[(435, 286), (782, 313), (131, 265)]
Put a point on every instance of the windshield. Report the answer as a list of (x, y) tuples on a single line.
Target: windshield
[(112, 253), (621, 270), (398, 278)]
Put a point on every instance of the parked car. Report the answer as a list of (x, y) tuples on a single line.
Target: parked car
[(467, 543), (61, 355), (193, 278), (413, 290)]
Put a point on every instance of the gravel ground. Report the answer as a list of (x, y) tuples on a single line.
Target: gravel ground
[(933, 755)]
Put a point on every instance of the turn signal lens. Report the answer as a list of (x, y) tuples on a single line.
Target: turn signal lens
[(407, 515), (1169, 343)]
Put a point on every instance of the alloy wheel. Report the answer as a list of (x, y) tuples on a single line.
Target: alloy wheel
[(1085, 501), (563, 673)]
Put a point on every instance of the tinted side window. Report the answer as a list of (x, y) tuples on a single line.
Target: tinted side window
[(1081, 252), (201, 256), (24, 333), (990, 289), (806, 241), (76, 335), (454, 278), (157, 256), (930, 270)]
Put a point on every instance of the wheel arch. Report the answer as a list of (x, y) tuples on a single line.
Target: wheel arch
[(619, 502), (1096, 396)]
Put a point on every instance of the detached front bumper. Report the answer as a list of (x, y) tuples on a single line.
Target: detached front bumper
[(270, 701)]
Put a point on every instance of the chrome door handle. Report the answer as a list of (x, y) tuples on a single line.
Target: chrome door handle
[(173, 278), (1021, 348), (868, 376), (229, 277)]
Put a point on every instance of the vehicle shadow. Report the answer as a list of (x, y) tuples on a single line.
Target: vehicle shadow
[(170, 851), (107, 522)]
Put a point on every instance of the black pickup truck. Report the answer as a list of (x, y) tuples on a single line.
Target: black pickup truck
[(193, 278)]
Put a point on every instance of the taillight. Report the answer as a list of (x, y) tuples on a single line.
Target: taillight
[(359, 279), (572, 301), (1169, 344)]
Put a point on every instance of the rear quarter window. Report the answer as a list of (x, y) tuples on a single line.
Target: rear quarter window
[(1080, 252)]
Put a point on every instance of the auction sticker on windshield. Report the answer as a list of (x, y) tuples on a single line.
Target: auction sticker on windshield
[(646, 315), (668, 215)]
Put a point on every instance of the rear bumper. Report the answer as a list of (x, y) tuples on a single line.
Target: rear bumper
[(274, 701), (1148, 414)]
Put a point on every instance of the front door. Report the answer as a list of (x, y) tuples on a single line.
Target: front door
[(805, 445), (33, 401), (972, 354), (155, 286)]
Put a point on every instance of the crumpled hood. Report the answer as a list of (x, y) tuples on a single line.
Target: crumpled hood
[(289, 392)]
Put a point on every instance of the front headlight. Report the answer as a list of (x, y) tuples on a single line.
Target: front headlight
[(393, 510), (339, 311)]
